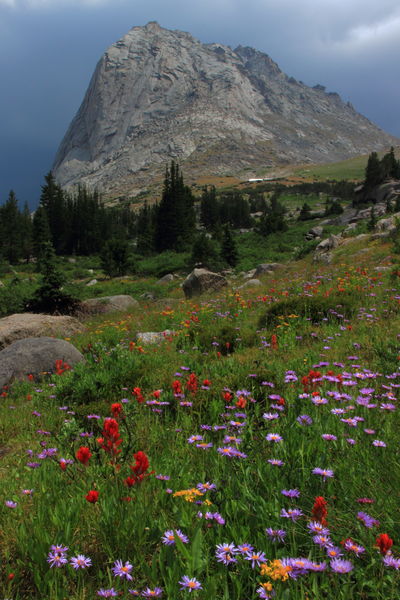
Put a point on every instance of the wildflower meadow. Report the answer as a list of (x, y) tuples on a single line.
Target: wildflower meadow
[(253, 453)]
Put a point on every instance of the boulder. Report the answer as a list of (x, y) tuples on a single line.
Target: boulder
[(166, 279), (108, 304), (91, 282), (324, 258), (27, 325), (250, 274), (266, 268), (35, 356), (153, 337), (328, 244), (200, 281), (314, 233)]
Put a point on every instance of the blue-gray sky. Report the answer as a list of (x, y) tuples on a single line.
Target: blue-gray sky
[(49, 49)]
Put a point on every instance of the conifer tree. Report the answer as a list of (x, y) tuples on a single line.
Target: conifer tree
[(373, 173), (175, 221), (229, 251)]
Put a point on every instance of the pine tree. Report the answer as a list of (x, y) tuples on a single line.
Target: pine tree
[(373, 172), (209, 208), (50, 298), (115, 257), (11, 230), (53, 201), (40, 233), (229, 251), (205, 253), (175, 222)]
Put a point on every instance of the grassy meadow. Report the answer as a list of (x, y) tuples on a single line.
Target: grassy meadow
[(253, 453)]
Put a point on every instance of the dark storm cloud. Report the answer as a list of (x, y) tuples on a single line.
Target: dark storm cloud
[(49, 49)]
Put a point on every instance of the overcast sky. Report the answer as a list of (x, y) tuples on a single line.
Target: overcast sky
[(49, 49)]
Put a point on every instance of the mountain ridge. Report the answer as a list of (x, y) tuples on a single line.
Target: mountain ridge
[(158, 94)]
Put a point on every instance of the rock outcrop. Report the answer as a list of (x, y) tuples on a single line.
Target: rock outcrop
[(27, 325), (158, 94), (35, 356)]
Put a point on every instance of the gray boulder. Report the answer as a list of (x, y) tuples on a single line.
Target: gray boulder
[(27, 325), (200, 281), (314, 233), (108, 304), (35, 356), (91, 282)]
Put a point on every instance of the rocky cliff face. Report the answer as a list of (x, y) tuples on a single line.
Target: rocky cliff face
[(158, 94)]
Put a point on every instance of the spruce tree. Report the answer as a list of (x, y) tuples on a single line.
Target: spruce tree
[(229, 251), (373, 172), (175, 222)]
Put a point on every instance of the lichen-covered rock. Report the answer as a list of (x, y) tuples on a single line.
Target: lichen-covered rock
[(27, 325), (35, 356), (200, 281)]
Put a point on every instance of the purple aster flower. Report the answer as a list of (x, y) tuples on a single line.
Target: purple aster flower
[(304, 420), (292, 513), (195, 438), (322, 540), (299, 566), (163, 477), (274, 437), (341, 566), (367, 520), (351, 546), (276, 535), (232, 439), (390, 561), (329, 437), (317, 527), (276, 462), (264, 594), (271, 416), (226, 548), (204, 445), (110, 593), (379, 443), (33, 465), (333, 552), (245, 548), (169, 537), (323, 472), (80, 562), (27, 492), (123, 571), (225, 558), (190, 584), (291, 493), (317, 567), (156, 593), (11, 504), (56, 559), (217, 517), (256, 558), (205, 487)]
